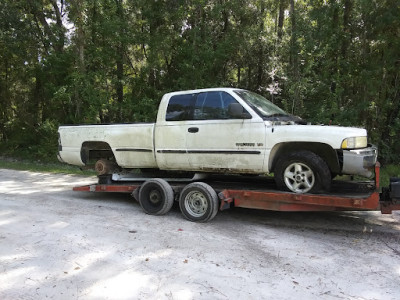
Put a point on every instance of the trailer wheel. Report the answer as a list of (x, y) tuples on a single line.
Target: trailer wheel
[(156, 196), (198, 202), (302, 172)]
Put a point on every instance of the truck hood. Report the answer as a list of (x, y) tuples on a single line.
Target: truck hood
[(331, 135)]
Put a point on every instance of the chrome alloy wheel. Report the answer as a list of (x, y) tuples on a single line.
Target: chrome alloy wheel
[(299, 178)]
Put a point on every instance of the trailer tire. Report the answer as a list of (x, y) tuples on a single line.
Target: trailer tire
[(198, 202), (302, 172), (156, 196)]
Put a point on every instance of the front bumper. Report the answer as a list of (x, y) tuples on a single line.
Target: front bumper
[(360, 161)]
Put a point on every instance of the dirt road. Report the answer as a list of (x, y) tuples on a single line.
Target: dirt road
[(59, 244)]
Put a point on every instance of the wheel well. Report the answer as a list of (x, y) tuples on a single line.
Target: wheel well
[(94, 151), (326, 152)]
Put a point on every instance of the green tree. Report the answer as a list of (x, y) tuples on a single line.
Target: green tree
[(70, 61)]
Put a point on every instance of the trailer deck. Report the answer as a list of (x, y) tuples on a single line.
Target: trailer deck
[(259, 192)]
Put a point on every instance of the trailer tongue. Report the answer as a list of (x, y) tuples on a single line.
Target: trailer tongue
[(200, 201)]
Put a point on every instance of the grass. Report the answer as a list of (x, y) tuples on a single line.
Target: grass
[(39, 166)]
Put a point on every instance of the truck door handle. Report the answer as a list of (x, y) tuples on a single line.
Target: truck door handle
[(193, 129)]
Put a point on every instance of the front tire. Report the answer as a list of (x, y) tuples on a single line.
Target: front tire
[(302, 172)]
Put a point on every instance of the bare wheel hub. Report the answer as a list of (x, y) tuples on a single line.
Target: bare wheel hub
[(155, 196)]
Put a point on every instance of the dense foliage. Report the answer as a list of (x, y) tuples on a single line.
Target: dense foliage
[(80, 61)]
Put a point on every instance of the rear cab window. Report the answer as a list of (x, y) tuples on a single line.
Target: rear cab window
[(180, 108)]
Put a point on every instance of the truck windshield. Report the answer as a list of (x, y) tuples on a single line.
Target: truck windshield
[(262, 106)]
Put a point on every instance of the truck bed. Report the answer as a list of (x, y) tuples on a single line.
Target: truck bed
[(131, 144)]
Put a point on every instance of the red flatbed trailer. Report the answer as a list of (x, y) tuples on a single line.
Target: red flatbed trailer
[(258, 193)]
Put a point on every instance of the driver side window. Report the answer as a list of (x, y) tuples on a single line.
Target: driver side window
[(213, 106)]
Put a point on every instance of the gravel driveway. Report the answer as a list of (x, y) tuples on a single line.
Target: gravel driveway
[(60, 244)]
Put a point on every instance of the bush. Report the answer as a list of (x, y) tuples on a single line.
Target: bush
[(38, 142)]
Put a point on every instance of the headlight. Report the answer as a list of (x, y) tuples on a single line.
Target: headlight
[(355, 142)]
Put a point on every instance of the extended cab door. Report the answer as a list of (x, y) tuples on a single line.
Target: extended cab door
[(218, 140)]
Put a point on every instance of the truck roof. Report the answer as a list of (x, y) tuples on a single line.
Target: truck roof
[(222, 89)]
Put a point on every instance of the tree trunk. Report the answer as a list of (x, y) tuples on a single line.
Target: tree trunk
[(120, 58), (261, 50), (120, 75), (4, 105), (346, 27), (281, 18), (238, 75), (294, 56), (80, 33), (60, 27)]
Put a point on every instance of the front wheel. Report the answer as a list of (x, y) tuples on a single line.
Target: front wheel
[(302, 172)]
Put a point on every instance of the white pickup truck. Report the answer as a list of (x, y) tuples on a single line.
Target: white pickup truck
[(224, 130)]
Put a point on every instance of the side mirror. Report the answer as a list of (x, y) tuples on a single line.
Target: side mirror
[(236, 110)]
